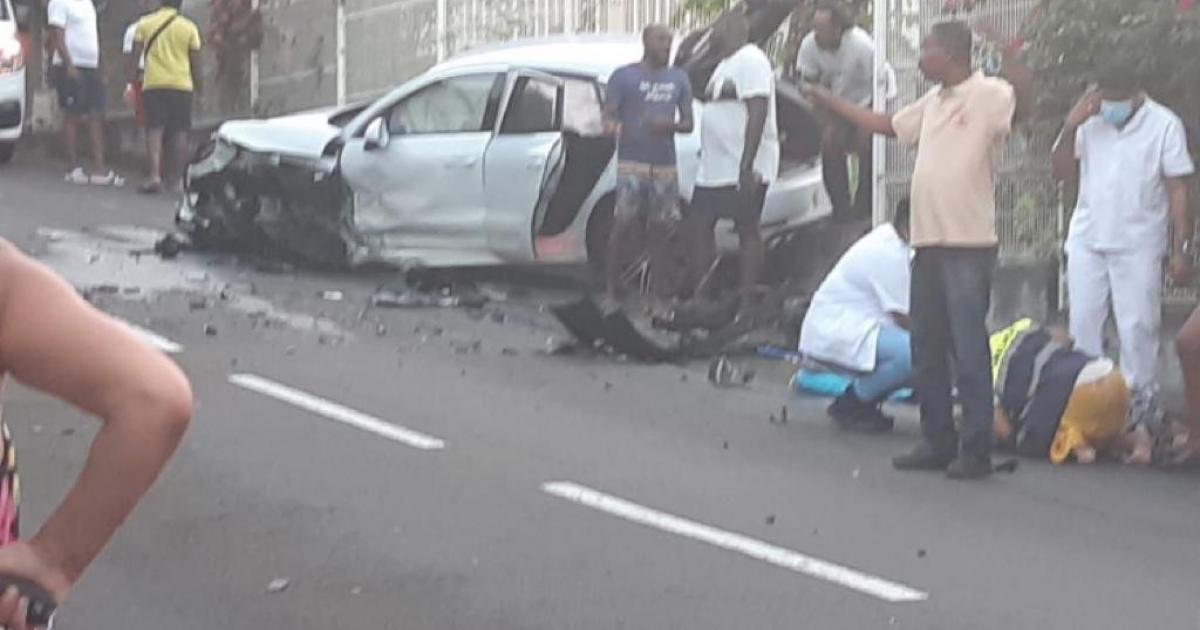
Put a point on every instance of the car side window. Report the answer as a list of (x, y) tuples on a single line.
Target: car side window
[(583, 111), (454, 105), (532, 108)]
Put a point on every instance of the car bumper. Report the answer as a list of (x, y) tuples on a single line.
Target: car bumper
[(12, 105)]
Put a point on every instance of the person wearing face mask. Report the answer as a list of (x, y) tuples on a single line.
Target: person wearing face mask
[(1128, 156)]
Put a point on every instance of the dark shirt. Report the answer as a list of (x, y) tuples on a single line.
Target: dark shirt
[(637, 95)]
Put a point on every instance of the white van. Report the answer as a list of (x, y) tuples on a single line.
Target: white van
[(12, 82)]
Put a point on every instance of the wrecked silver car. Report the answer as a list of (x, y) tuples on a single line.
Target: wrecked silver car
[(494, 157)]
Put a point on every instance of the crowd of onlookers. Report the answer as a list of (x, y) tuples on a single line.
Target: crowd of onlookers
[(907, 305), (162, 51)]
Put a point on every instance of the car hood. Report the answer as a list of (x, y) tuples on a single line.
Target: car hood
[(303, 135)]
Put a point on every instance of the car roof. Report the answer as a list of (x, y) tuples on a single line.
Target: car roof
[(596, 55)]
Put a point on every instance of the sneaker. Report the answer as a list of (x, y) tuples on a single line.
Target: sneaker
[(924, 457), (970, 467), (111, 179), (78, 176), (851, 414)]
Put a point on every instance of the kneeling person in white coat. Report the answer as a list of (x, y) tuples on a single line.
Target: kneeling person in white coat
[(858, 321), (1129, 156)]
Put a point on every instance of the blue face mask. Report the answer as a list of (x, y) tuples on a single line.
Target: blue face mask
[(1116, 113)]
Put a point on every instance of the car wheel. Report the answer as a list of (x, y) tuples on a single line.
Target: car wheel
[(7, 149)]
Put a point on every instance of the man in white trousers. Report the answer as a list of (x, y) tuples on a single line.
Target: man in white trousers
[(1128, 155)]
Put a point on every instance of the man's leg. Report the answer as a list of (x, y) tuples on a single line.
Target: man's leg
[(71, 139), (180, 152), (96, 128), (661, 216), (968, 276), (931, 353), (1137, 305), (1088, 295), (1187, 344), (624, 232), (752, 249), (700, 226), (834, 170), (893, 366), (863, 206)]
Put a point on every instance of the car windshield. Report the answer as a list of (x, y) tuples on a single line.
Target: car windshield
[(4, 10)]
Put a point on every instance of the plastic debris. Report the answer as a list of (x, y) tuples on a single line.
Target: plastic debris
[(333, 296), (278, 585)]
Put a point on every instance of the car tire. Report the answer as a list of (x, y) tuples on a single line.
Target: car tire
[(7, 150)]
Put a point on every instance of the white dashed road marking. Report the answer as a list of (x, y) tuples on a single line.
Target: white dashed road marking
[(786, 558), (336, 412), (155, 339)]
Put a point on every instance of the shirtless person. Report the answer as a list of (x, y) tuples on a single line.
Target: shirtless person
[(53, 341)]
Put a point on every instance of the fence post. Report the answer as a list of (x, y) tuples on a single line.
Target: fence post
[(254, 76), (441, 30), (568, 16), (340, 50), (879, 188)]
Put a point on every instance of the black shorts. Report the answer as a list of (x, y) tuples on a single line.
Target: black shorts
[(83, 96), (727, 202), (169, 110)]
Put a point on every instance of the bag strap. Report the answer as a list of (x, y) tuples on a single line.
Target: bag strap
[(154, 37)]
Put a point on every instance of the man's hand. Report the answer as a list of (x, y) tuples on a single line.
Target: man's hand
[(748, 180), (1181, 269), (612, 127), (661, 126), (74, 72), (1087, 106), (815, 92), (24, 560)]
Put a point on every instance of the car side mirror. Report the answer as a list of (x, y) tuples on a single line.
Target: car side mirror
[(376, 136)]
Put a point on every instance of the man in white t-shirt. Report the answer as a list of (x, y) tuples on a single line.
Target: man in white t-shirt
[(1129, 156), (76, 77), (739, 152), (840, 56), (858, 321)]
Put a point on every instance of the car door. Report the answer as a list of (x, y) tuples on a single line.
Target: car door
[(523, 162), (417, 171)]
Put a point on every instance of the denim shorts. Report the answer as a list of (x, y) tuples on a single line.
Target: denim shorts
[(647, 192), (83, 96)]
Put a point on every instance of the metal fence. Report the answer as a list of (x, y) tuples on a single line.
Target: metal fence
[(1027, 212), (319, 52)]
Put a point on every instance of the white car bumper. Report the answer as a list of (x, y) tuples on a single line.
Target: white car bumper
[(12, 105)]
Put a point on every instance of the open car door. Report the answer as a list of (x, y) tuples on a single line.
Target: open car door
[(524, 163)]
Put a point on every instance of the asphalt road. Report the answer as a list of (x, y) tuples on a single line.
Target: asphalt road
[(533, 491)]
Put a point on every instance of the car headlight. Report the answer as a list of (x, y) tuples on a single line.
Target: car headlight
[(12, 58)]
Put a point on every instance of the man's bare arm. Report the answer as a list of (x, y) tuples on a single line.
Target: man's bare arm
[(756, 122), (59, 38), (865, 119), (133, 61), (197, 74), (52, 340)]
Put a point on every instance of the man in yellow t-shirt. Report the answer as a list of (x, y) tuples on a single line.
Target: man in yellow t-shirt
[(170, 44)]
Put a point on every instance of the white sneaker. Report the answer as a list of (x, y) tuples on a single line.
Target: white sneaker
[(111, 179), (78, 176)]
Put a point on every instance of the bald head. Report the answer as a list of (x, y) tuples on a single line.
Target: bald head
[(656, 39)]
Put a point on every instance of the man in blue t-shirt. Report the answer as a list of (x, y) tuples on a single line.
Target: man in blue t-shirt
[(643, 99)]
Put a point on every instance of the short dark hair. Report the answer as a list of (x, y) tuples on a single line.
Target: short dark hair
[(955, 38), (903, 215), (838, 11), (173, 4), (1119, 76)]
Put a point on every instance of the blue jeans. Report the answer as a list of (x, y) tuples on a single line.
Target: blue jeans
[(951, 293), (893, 365)]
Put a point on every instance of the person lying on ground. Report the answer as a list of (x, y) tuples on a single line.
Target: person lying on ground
[(53, 341), (858, 321), (1055, 401)]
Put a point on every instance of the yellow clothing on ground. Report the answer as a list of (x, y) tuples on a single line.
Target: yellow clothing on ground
[(168, 61), (1096, 413), (1002, 340)]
